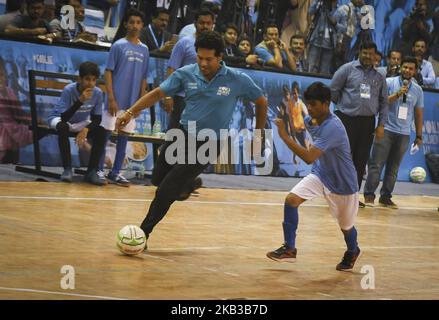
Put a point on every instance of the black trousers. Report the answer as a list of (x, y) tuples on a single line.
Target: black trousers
[(177, 110), (171, 181), (360, 130), (96, 135)]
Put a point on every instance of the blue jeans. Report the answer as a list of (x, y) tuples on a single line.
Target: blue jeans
[(387, 151), (320, 60)]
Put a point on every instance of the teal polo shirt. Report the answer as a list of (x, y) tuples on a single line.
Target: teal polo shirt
[(210, 103)]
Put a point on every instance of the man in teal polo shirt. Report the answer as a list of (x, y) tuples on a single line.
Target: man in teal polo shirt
[(211, 93)]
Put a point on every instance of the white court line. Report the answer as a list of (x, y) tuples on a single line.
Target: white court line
[(60, 293), (160, 258), (232, 274), (233, 203)]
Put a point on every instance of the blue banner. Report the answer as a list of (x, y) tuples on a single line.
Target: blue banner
[(19, 57)]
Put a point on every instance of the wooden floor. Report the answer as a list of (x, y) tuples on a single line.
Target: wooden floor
[(209, 247)]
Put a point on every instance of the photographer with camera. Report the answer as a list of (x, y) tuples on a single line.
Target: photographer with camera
[(415, 27), (322, 36)]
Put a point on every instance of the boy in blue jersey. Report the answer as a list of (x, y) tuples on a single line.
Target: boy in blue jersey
[(125, 80), (79, 110), (211, 93), (332, 176)]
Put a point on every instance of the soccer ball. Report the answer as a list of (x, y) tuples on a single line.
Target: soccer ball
[(131, 240), (417, 175)]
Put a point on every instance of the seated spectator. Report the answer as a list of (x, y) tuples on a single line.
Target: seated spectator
[(230, 36), (155, 35), (13, 9), (393, 64), (245, 55), (189, 30), (297, 48), (322, 36), (426, 76), (415, 27), (32, 24), (79, 110), (274, 52), (65, 33), (378, 59)]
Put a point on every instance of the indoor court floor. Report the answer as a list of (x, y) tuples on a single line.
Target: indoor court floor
[(211, 246)]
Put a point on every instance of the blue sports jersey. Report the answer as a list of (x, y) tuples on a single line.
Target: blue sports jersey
[(129, 64), (210, 104), (69, 96), (334, 167)]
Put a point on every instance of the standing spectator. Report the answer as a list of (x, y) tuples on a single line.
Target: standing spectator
[(79, 110), (13, 9), (67, 34), (425, 68), (297, 21), (190, 29), (322, 36), (155, 35), (393, 64), (415, 27), (183, 54), (348, 18), (125, 81), (274, 52), (297, 48), (31, 24), (406, 101), (360, 93)]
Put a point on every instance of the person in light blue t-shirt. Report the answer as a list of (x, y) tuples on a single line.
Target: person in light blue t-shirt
[(125, 79), (406, 102), (332, 176), (211, 93), (79, 110)]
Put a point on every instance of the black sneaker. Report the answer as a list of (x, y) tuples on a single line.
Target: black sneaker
[(283, 254), (196, 184), (95, 178), (348, 261), (369, 201), (388, 203), (361, 204), (118, 179)]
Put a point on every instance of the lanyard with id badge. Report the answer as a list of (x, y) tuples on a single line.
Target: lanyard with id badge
[(365, 90)]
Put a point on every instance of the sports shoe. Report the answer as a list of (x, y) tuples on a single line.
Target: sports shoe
[(387, 202), (361, 204), (196, 184), (283, 254), (94, 178), (369, 201), (348, 261), (118, 179), (67, 175)]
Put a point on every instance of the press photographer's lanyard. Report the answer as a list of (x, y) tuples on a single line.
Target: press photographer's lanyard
[(155, 39)]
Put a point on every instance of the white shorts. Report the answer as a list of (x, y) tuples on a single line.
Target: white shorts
[(109, 122), (343, 207), (73, 127)]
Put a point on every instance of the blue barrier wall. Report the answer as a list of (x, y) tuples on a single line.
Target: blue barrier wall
[(20, 57)]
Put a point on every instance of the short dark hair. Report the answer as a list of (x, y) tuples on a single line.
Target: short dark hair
[(368, 45), (271, 25), (231, 25), (31, 2), (210, 40), (297, 36), (420, 39), (410, 59), (132, 12), (318, 91), (158, 11), (394, 50), (204, 12), (295, 85), (89, 68)]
